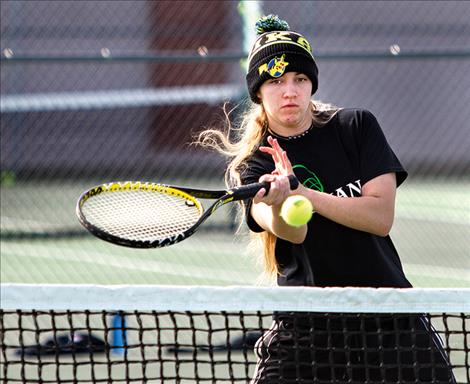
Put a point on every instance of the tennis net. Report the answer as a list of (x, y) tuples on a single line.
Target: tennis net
[(168, 334)]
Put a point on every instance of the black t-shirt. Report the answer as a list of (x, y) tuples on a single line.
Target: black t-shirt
[(337, 158)]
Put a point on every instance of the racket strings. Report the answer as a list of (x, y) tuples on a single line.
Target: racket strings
[(141, 215)]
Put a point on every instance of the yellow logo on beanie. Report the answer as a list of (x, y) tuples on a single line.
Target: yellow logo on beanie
[(275, 67)]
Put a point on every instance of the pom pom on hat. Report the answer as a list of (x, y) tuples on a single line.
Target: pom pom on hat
[(276, 51), (271, 23)]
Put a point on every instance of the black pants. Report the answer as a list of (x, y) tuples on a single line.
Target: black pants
[(351, 349)]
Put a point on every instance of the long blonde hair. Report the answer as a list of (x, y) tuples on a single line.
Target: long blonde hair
[(238, 142)]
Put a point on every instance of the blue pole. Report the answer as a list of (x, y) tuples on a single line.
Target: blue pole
[(118, 333)]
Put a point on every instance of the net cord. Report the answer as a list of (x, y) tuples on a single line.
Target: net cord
[(233, 298)]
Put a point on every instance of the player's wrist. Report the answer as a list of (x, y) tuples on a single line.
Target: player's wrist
[(310, 194)]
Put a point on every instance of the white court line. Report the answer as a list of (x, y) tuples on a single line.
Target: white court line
[(130, 263), (15, 223), (437, 271), (436, 218)]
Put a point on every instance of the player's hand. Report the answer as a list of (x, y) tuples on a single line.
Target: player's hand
[(282, 163), (279, 190), (280, 187)]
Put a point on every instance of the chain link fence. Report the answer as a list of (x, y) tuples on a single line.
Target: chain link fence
[(93, 91)]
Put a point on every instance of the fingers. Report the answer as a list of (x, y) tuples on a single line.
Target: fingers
[(258, 198), (279, 190), (261, 194), (287, 164), (274, 150), (279, 183), (280, 158)]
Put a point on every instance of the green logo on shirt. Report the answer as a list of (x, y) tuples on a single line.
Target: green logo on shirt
[(310, 180)]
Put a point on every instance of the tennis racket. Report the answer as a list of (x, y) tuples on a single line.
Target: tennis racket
[(149, 215)]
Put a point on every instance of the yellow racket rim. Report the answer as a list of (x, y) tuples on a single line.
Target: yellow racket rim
[(143, 186)]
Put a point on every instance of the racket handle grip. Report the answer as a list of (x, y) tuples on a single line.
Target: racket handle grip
[(250, 190)]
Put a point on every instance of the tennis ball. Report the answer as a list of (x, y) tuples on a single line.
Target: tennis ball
[(296, 210)]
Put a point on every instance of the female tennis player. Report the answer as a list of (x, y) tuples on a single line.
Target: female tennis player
[(350, 174)]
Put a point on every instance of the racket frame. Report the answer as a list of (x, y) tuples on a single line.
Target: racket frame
[(189, 194)]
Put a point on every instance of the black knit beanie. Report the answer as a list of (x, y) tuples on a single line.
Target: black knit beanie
[(276, 51)]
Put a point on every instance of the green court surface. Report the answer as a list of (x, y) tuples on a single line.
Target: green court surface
[(431, 233)]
